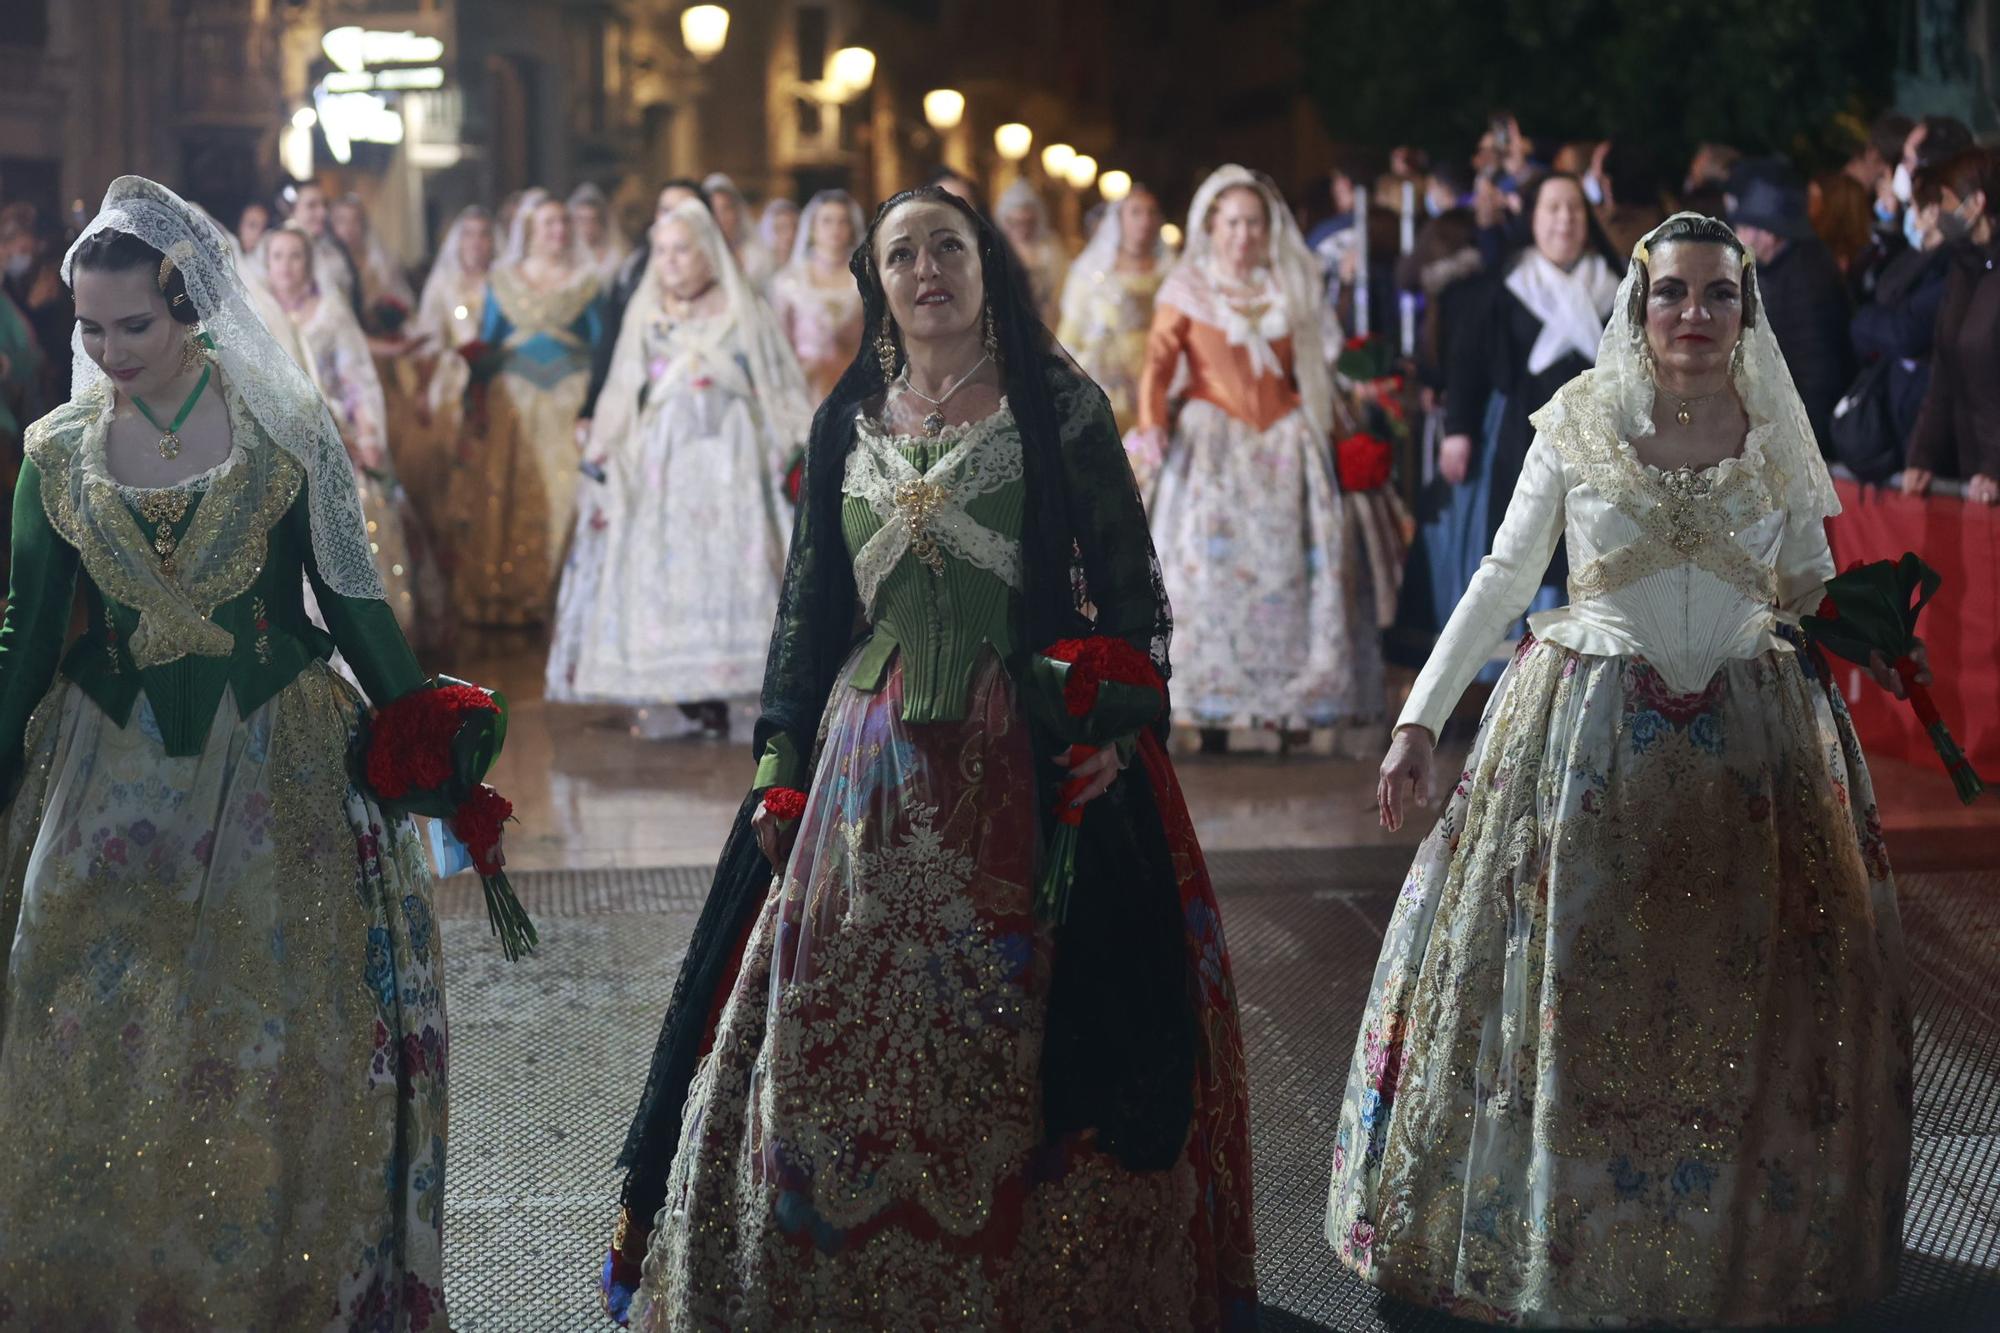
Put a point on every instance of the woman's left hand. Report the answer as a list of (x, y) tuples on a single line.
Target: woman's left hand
[(1885, 675), (1983, 489), (1097, 773)]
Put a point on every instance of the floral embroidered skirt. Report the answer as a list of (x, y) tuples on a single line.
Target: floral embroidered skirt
[(863, 1146), (1638, 1046), (672, 579), (1274, 610), (222, 1039)]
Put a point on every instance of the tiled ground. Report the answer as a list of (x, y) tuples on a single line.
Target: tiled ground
[(549, 1055)]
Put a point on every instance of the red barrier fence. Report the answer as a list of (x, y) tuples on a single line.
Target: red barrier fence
[(1960, 628)]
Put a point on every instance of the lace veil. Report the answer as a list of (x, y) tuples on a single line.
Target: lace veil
[(442, 287), (802, 242), (521, 234), (1623, 381), (270, 385), (1099, 256), (1293, 270), (783, 401)]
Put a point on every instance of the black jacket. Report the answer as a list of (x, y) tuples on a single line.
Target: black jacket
[(1805, 298)]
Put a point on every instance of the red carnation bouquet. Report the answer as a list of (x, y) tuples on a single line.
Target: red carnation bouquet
[(425, 754), (1090, 693), (1872, 608), (482, 359), (1365, 463), (388, 315), (785, 803), (795, 477)]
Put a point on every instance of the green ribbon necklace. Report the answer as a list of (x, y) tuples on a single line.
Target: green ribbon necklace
[(170, 438)]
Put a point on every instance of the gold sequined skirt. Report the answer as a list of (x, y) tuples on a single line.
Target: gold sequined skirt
[(222, 1036)]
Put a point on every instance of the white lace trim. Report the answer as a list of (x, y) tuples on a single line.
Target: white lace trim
[(924, 513)]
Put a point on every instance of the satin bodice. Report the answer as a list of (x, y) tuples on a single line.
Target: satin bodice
[(1687, 569)]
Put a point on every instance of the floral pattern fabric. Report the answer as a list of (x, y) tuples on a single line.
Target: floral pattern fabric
[(1272, 599), (862, 1146), (1638, 1046), (222, 1038)]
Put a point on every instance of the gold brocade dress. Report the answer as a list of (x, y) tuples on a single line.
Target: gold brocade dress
[(513, 494), (222, 1032), (1106, 317)]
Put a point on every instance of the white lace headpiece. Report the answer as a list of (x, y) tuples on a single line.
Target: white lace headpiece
[(802, 241), (767, 357), (288, 409), (1294, 271), (441, 286), (521, 234), (1099, 256), (1624, 381)]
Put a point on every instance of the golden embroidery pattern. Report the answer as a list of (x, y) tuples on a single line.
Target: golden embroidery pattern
[(919, 502), (163, 509)]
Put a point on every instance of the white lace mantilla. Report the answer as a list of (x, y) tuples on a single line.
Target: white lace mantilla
[(923, 514)]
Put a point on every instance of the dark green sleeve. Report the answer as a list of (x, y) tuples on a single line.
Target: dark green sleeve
[(1109, 519), (43, 586), (364, 627)]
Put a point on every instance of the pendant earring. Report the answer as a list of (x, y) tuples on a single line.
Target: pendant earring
[(991, 336), (191, 350), (885, 351), (1736, 358)]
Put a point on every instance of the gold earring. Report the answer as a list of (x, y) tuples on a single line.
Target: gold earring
[(991, 337), (191, 349), (885, 351)]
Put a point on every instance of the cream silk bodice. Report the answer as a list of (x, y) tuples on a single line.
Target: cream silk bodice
[(1687, 569)]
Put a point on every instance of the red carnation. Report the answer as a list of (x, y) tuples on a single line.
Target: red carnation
[(478, 824), (409, 748), (795, 479), (1827, 609), (1094, 661), (1364, 462), (785, 803)]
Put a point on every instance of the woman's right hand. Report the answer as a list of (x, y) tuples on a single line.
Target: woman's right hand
[(1455, 458), (1408, 771), (774, 836), (1917, 480), (582, 433)]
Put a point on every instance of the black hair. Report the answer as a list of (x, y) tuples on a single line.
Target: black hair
[(1888, 133), (1593, 230), (1944, 137), (1964, 174), (1692, 231), (691, 185), (940, 175), (1454, 176), (110, 251)]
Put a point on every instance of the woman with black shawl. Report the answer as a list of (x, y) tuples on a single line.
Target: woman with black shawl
[(888, 1094)]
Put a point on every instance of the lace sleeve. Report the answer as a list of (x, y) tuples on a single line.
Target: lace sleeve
[(1121, 572)]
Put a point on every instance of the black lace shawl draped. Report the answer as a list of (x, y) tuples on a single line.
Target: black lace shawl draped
[(1119, 1053)]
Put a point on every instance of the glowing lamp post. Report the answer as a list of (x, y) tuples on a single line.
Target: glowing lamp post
[(704, 30), (1056, 158), (944, 108), (1114, 185), (851, 70), (1013, 140), (1082, 171)]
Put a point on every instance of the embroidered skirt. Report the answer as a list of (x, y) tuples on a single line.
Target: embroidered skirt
[(222, 1039), (1274, 610), (863, 1146), (1638, 1046)]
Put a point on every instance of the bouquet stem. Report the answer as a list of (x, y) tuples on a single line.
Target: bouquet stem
[(1964, 779)]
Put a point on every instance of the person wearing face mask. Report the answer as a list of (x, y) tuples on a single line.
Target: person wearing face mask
[(1275, 603), (1957, 433), (1894, 334), (619, 294), (813, 294), (1805, 297), (1107, 304), (513, 495), (1637, 1050), (672, 578), (890, 1092), (1527, 331)]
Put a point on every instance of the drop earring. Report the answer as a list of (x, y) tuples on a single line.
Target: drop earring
[(885, 351), (991, 336)]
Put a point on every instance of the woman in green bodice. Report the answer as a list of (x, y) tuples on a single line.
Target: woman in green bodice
[(222, 1034)]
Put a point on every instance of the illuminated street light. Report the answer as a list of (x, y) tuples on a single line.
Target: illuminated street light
[(850, 70), (1171, 234), (1056, 159), (1082, 171), (1114, 185), (944, 108), (704, 30), (1013, 140)]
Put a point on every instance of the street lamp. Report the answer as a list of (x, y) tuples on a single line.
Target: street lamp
[(1082, 171), (850, 70), (1056, 159), (1114, 185), (1171, 234), (944, 108), (704, 30), (1013, 140)]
